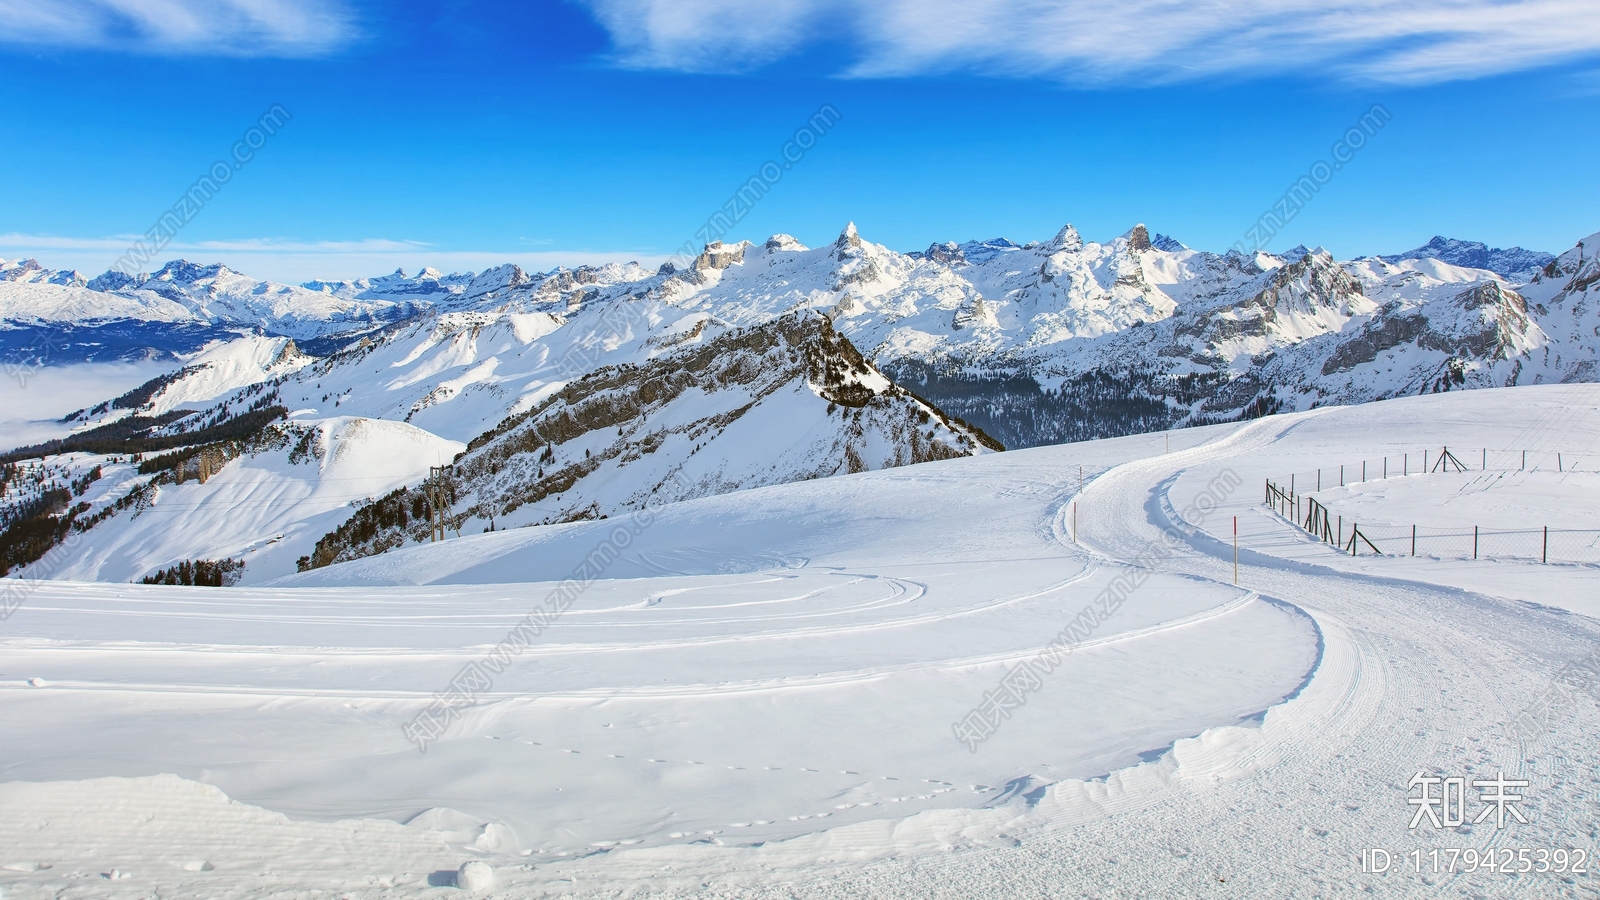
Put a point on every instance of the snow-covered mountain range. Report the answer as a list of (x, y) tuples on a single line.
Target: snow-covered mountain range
[(586, 392), (1513, 263)]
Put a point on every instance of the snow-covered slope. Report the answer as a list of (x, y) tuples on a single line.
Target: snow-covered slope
[(764, 693), (1565, 298), (267, 506), (1033, 343), (786, 401), (715, 410)]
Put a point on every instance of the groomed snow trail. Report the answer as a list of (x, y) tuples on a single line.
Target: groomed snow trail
[(1407, 676), (1414, 677)]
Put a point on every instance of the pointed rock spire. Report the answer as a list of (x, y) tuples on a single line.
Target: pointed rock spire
[(848, 237), (1066, 239)]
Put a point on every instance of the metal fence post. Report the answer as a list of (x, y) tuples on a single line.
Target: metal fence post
[(1474, 542), (1544, 555), (1413, 540)]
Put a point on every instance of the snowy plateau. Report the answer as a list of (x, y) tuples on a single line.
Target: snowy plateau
[(989, 570)]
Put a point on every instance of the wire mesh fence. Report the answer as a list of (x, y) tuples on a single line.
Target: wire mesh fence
[(1431, 461), (1291, 498)]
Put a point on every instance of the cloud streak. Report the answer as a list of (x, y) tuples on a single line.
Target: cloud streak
[(1101, 43), (188, 27)]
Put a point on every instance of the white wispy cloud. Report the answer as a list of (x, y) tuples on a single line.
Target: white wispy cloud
[(198, 27), (1113, 41), (294, 262)]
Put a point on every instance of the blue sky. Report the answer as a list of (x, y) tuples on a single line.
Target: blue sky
[(460, 135)]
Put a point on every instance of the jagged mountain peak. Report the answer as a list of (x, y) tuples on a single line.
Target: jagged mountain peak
[(30, 271), (849, 237), (182, 271), (1509, 262), (783, 243), (1067, 239), (948, 252)]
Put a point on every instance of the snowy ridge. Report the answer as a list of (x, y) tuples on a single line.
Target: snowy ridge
[(1514, 262), (787, 401), (266, 507)]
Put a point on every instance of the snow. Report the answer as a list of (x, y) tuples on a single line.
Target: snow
[(262, 508), (755, 698), (468, 349), (224, 367)]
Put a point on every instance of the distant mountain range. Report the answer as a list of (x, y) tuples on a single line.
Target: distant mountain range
[(587, 392), (1515, 263)]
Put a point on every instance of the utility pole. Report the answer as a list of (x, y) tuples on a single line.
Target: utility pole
[(436, 501)]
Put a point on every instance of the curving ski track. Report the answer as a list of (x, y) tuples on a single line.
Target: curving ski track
[(1412, 677)]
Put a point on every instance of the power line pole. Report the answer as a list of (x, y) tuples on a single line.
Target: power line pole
[(436, 501)]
